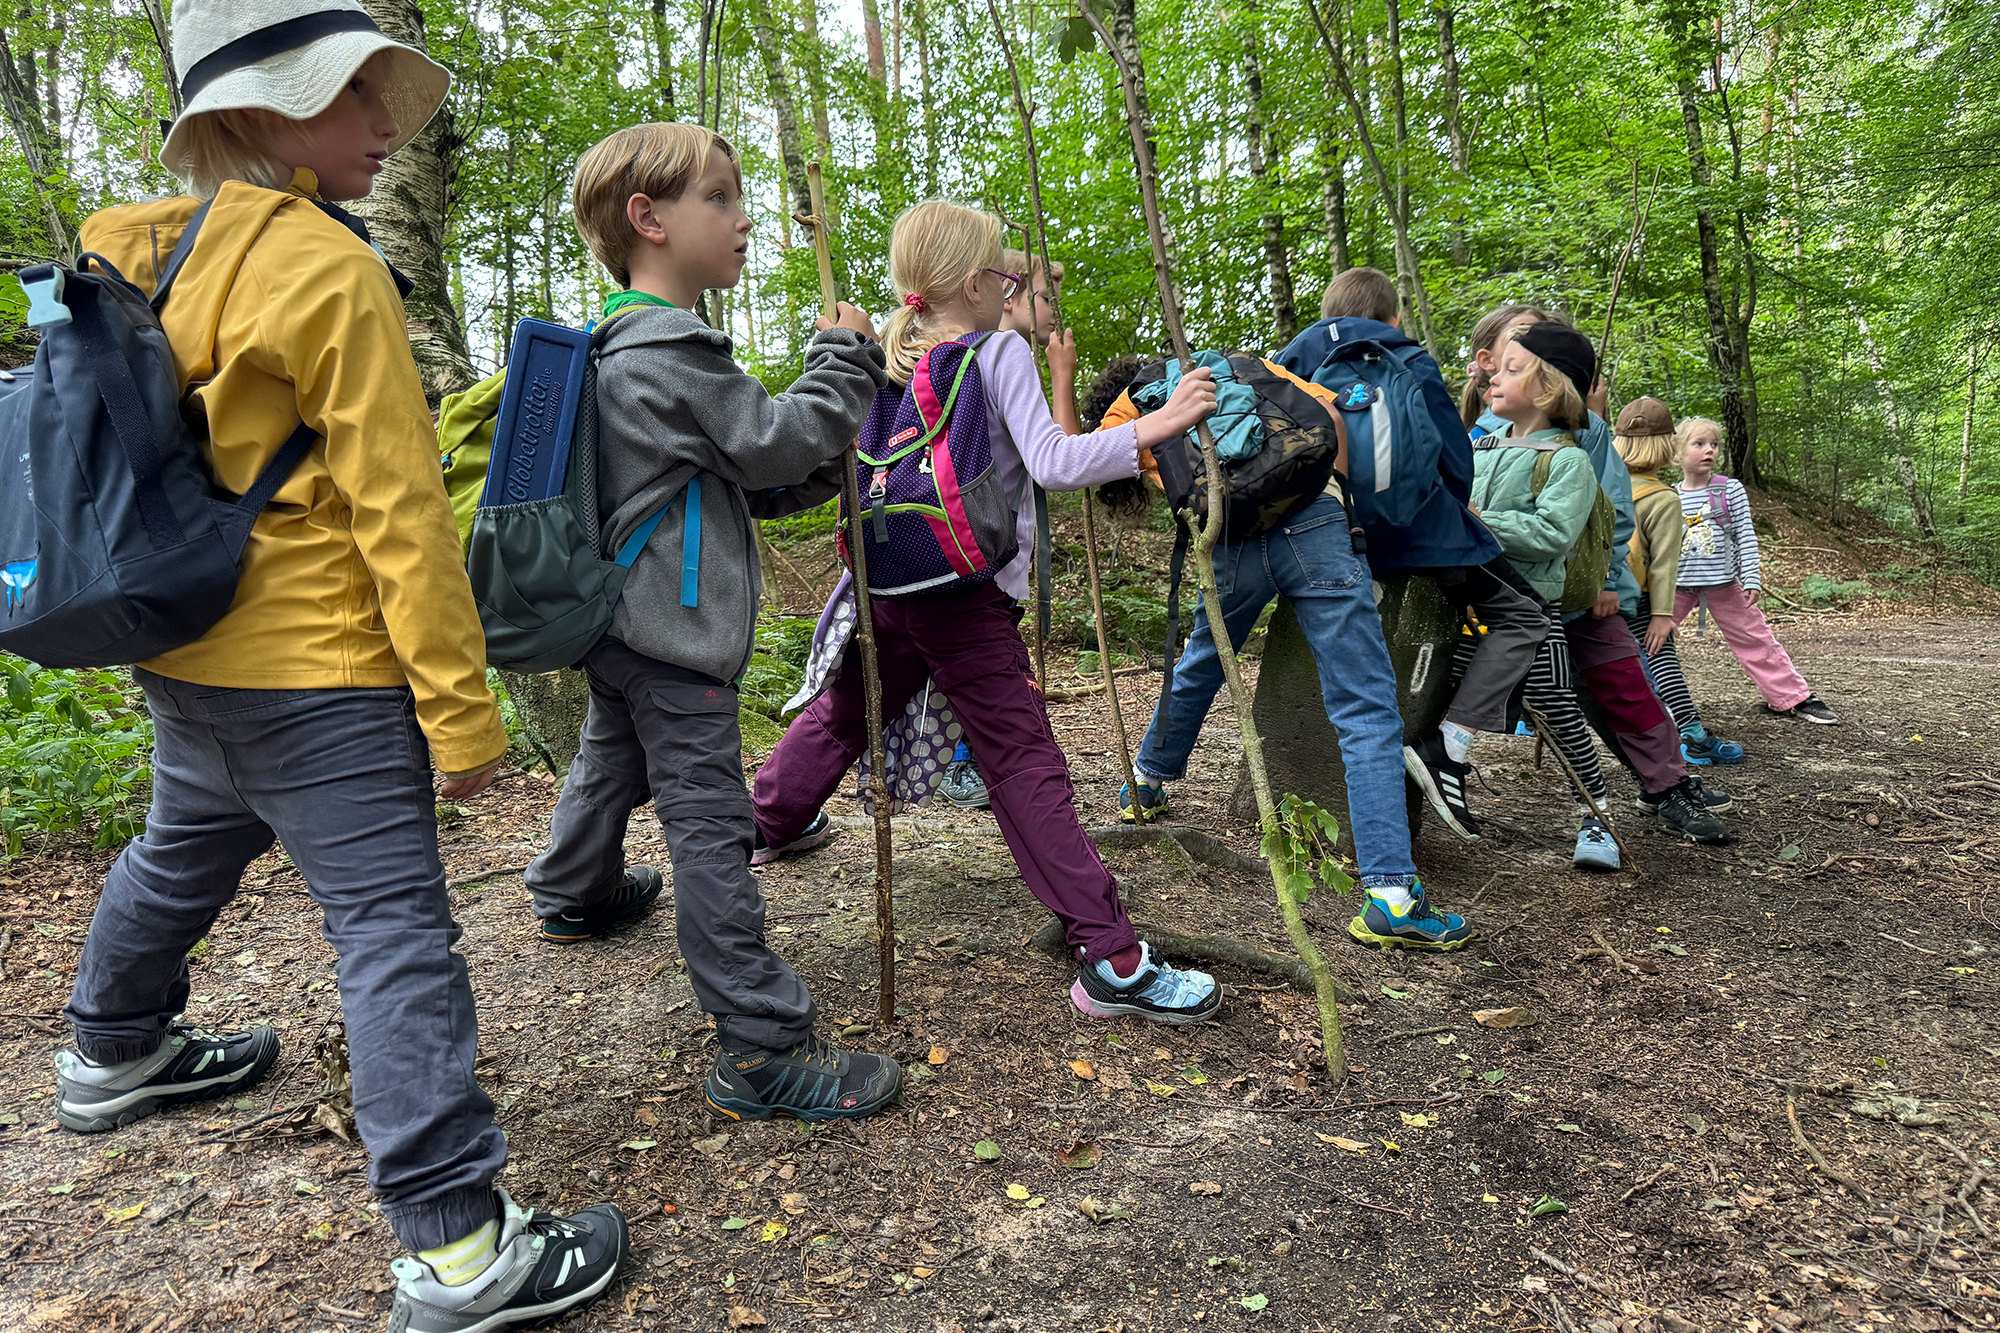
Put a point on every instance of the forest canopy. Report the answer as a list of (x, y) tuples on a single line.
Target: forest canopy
[(1816, 264)]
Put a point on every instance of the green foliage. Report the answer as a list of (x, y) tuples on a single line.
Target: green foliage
[(1819, 590), (1301, 848), (778, 665), (74, 747)]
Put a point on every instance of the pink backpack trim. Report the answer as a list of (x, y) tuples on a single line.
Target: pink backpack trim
[(954, 532)]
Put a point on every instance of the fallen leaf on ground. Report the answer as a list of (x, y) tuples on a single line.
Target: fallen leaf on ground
[(1419, 1120), (645, 1115), (938, 1056), (742, 1316), (1256, 1302), (1349, 1145), (1017, 1192), (1101, 1213), (1547, 1206), (773, 1230), (922, 1272), (1083, 1069), (124, 1214), (1081, 1156), (1514, 1016), (792, 1203), (1159, 1089), (1204, 1187), (735, 1223), (986, 1150), (1570, 1129), (712, 1145), (640, 1145)]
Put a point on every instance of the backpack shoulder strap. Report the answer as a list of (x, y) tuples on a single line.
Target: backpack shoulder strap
[(182, 249)]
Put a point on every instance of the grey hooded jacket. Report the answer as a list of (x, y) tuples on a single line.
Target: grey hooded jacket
[(673, 405)]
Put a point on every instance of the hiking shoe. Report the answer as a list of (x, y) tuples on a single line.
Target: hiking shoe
[(814, 1080), (1814, 709), (817, 832), (1442, 781), (1150, 804), (964, 787), (1714, 802), (634, 897), (547, 1266), (1681, 809), (1595, 849), (1417, 926), (1156, 992), (1706, 750), (189, 1066)]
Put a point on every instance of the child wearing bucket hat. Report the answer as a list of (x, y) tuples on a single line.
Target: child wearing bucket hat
[(348, 666)]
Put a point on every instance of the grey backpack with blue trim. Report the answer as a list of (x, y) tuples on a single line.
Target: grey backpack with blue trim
[(116, 545), (546, 594)]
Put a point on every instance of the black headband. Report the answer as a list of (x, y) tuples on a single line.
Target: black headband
[(267, 42)]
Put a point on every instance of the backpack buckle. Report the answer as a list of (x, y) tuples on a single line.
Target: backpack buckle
[(45, 296)]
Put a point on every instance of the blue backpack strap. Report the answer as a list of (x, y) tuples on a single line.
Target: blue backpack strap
[(690, 542)]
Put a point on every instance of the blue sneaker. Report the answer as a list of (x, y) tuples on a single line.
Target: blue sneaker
[(963, 786), (1706, 749), (1523, 729), (1151, 804), (1594, 848), (1417, 926), (1156, 992)]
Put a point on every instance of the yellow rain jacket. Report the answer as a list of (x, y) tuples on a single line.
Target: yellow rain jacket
[(352, 577)]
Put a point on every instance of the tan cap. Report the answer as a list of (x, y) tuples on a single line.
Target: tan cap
[(1645, 416)]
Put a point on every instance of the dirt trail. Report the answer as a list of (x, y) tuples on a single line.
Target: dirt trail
[(1844, 943)]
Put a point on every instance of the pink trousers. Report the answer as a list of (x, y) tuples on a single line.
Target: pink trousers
[(1749, 636)]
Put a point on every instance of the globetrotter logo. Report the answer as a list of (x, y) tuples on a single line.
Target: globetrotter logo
[(540, 411), (17, 576)]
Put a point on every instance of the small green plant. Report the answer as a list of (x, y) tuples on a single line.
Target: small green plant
[(1302, 846), (1819, 590), (777, 665), (74, 749)]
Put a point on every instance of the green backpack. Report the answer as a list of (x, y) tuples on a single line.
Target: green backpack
[(465, 444), (1590, 558)]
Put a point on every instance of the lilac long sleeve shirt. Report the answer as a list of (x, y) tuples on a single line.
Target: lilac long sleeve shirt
[(1025, 437)]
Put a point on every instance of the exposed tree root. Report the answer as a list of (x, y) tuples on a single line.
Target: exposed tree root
[(1193, 844)]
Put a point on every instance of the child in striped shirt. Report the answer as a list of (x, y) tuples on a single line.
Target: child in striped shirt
[(1720, 570)]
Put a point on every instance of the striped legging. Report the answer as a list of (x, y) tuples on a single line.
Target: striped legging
[(1664, 670), (1550, 690)]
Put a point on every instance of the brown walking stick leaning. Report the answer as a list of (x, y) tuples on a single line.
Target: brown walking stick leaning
[(1325, 989), (864, 639), (1139, 814)]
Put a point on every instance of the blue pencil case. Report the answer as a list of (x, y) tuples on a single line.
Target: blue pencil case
[(531, 436)]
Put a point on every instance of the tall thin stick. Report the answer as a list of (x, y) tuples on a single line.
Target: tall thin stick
[(1021, 108), (1324, 987), (864, 637), (1631, 246)]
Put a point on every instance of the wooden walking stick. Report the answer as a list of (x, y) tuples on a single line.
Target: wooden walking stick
[(1044, 552), (1618, 274), (1139, 814), (864, 638), (1325, 989)]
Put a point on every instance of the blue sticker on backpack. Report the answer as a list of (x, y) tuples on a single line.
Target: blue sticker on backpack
[(1358, 397)]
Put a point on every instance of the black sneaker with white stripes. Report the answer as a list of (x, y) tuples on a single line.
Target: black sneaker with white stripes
[(814, 1080), (189, 1066), (1442, 781), (545, 1267)]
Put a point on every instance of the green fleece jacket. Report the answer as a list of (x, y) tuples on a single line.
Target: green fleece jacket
[(1536, 532)]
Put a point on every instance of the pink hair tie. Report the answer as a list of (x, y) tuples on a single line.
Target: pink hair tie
[(916, 302)]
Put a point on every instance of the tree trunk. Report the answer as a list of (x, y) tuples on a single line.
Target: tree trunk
[(816, 80), (1727, 346), (663, 56), (791, 151), (1965, 439), (1263, 153), (1920, 505), (927, 107), (156, 18), (1454, 123), (39, 146), (408, 213), (871, 27), (1333, 199)]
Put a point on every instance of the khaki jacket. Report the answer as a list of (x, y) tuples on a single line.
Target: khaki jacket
[(352, 577)]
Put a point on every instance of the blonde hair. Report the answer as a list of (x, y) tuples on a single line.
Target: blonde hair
[(1019, 261), (659, 160), (232, 145), (933, 248), (1548, 388), (1646, 454), (1684, 435)]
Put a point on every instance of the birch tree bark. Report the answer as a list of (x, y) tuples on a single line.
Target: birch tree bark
[(791, 151), (663, 60), (1454, 122), (1263, 153), (408, 214), (39, 145), (1333, 199), (1727, 344)]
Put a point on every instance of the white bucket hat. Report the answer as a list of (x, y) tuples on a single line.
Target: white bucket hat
[(292, 57)]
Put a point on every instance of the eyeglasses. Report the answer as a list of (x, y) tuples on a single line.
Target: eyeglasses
[(1009, 283)]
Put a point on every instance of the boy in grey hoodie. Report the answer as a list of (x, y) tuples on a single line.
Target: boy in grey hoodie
[(692, 451)]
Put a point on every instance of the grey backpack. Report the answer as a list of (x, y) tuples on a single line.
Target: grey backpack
[(115, 543)]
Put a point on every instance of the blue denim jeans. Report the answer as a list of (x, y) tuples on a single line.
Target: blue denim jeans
[(1310, 560)]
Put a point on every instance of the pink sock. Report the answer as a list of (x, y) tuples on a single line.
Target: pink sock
[(1126, 961)]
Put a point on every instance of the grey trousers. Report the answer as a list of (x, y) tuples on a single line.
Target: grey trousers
[(1515, 627), (342, 778), (669, 734)]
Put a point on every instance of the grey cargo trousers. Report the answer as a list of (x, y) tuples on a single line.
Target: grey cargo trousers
[(661, 732), (342, 778)]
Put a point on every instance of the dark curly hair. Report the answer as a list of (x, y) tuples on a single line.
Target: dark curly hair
[(1128, 495)]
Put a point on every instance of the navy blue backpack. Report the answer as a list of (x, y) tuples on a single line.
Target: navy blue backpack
[(115, 543), (1393, 444)]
